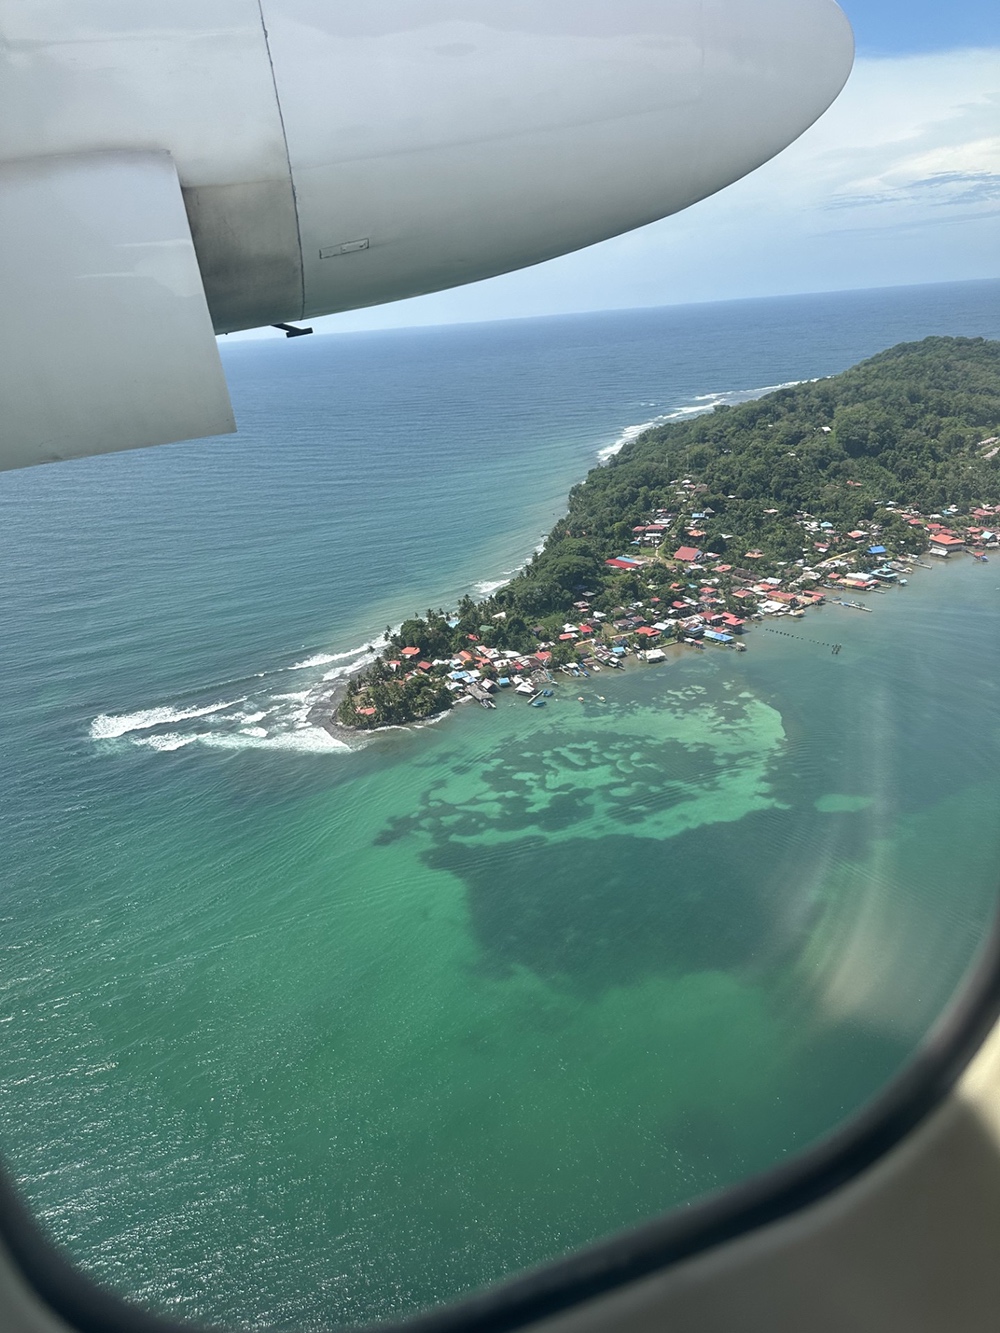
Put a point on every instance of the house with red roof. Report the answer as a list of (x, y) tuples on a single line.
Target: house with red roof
[(687, 553), (947, 541)]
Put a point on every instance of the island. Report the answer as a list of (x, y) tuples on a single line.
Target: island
[(696, 529)]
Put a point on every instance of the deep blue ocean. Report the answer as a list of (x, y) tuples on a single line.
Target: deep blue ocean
[(296, 1034)]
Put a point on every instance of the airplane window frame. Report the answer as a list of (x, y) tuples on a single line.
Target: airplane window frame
[(652, 1247)]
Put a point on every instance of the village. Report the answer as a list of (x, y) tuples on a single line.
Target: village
[(693, 598)]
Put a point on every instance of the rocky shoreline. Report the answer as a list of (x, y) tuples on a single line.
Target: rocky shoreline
[(323, 713)]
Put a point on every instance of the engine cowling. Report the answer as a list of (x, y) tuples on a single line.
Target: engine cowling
[(332, 156)]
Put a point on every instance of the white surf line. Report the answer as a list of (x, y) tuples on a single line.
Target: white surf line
[(699, 405), (108, 726)]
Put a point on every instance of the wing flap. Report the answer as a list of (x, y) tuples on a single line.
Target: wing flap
[(106, 342)]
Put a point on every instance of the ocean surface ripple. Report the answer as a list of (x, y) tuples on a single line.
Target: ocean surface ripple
[(299, 1033)]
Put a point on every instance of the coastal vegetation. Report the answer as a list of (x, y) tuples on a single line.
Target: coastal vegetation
[(803, 489)]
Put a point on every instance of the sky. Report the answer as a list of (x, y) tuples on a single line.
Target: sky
[(899, 183)]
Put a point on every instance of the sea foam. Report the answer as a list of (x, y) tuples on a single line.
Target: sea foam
[(305, 740), (317, 660), (489, 586), (171, 740), (629, 433), (702, 403), (107, 726)]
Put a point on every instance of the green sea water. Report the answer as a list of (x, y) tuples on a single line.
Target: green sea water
[(500, 985), (296, 1036)]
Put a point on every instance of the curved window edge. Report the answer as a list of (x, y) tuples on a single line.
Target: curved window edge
[(627, 1257)]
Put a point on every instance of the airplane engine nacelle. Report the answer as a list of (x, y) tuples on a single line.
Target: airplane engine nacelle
[(331, 156)]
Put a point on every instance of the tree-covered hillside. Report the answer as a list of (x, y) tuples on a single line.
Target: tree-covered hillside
[(903, 426), (796, 484)]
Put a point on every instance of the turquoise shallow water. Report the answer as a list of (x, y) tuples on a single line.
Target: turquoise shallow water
[(297, 1035)]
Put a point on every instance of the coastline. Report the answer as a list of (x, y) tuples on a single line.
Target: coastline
[(761, 530), (630, 512), (278, 909), (323, 712), (786, 622)]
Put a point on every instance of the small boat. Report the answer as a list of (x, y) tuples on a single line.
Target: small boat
[(538, 703), (547, 694)]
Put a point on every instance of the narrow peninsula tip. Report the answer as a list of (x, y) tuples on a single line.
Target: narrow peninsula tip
[(697, 528)]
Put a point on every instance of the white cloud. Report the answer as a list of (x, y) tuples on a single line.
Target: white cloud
[(898, 183)]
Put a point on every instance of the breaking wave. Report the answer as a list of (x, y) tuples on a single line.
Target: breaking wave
[(317, 660), (172, 740), (701, 403), (349, 668), (487, 587), (324, 659), (287, 714), (108, 726), (629, 433), (306, 740)]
